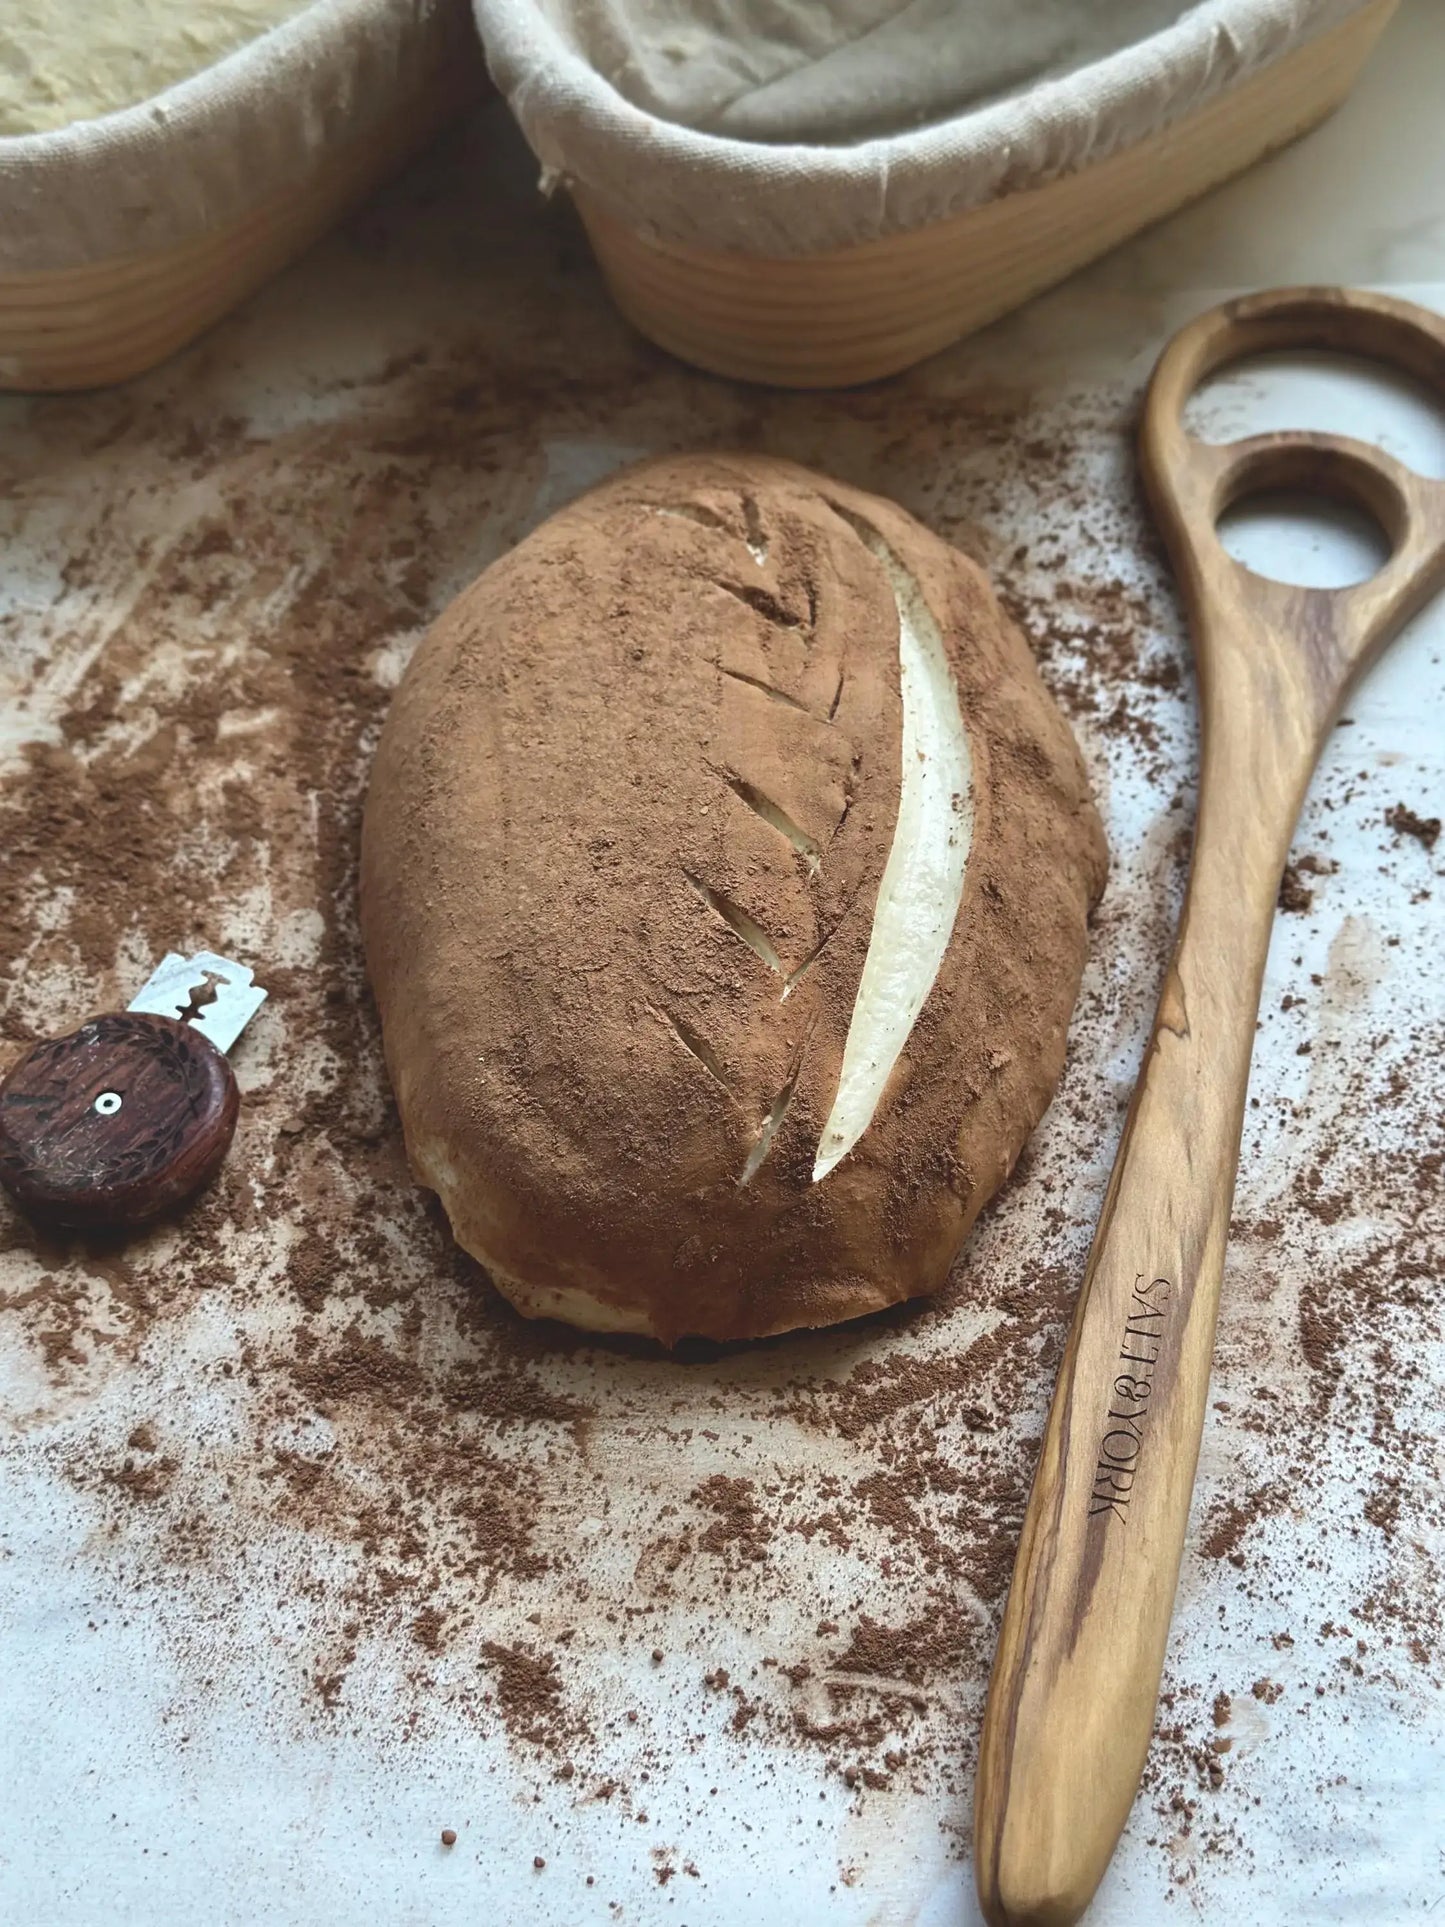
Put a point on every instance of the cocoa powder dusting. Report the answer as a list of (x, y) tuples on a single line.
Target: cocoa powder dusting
[(1407, 822), (600, 1562)]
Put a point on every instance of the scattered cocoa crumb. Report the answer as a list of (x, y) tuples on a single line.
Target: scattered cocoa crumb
[(427, 1629), (1404, 822), (1313, 865), (913, 1652), (738, 1527), (147, 1482), (530, 1696)]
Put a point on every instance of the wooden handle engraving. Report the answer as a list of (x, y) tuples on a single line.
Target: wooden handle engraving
[(117, 1122), (1122, 1444)]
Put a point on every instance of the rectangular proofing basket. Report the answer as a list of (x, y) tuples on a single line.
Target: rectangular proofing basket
[(122, 238), (837, 260)]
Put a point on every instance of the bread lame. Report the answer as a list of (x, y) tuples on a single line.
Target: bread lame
[(132, 1113)]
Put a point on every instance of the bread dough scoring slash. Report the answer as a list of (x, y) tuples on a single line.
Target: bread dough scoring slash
[(725, 877)]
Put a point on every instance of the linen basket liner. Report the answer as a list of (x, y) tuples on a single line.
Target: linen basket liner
[(208, 150), (685, 120)]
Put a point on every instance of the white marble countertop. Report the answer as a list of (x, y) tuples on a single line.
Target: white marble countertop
[(195, 1720)]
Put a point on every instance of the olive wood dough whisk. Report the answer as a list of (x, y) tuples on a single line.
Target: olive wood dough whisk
[(1076, 1677)]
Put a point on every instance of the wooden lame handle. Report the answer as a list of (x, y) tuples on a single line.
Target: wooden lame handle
[(117, 1122)]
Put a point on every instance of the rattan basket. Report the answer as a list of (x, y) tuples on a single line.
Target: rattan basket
[(121, 239), (837, 315)]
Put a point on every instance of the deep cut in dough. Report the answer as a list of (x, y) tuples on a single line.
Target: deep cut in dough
[(725, 878)]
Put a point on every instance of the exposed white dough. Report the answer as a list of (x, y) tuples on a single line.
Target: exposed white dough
[(567, 1303), (756, 547), (922, 884), (571, 1304)]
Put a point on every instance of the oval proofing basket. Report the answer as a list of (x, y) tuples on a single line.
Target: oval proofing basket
[(122, 238), (727, 252)]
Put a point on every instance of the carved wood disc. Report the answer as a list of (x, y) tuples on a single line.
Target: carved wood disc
[(117, 1122)]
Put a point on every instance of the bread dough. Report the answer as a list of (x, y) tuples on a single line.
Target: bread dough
[(61, 61), (725, 877)]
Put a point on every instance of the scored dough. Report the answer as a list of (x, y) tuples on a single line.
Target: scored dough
[(922, 883), (725, 879)]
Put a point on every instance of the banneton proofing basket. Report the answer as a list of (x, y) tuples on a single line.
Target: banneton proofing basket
[(122, 238), (843, 259)]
